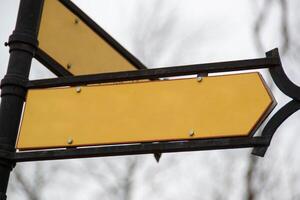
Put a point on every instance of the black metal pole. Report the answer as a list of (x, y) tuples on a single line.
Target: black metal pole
[(23, 44)]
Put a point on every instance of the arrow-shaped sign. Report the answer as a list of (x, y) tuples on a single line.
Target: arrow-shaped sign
[(148, 111), (72, 43)]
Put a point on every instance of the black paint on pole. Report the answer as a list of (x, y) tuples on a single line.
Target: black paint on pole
[(23, 44)]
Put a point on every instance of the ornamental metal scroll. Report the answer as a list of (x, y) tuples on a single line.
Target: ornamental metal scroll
[(287, 87)]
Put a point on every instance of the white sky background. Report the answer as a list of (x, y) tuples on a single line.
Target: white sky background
[(200, 31)]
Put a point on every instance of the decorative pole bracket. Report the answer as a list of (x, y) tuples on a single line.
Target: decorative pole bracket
[(287, 87)]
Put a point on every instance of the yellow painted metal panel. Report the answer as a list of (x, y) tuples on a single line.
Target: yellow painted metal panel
[(74, 45), (219, 106)]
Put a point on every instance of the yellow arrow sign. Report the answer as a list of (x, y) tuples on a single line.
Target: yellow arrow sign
[(220, 106), (78, 44)]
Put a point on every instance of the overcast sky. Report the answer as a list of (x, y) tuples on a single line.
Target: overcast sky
[(201, 31)]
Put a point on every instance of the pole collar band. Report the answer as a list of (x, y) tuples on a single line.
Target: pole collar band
[(14, 85), (23, 42)]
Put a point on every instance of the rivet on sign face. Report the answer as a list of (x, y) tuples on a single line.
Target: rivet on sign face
[(69, 66), (70, 141), (199, 78), (78, 89), (76, 21), (191, 133)]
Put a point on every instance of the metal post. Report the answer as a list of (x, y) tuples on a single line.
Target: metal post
[(23, 44)]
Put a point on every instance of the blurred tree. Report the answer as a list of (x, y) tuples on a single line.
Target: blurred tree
[(262, 178), (30, 183)]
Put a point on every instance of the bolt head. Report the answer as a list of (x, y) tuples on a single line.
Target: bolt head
[(199, 78), (70, 141), (69, 66), (78, 89), (76, 21), (191, 133)]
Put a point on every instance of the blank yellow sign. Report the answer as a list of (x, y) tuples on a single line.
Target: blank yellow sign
[(75, 46), (220, 106)]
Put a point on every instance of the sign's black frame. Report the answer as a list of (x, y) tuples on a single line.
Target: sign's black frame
[(23, 46), (260, 143)]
